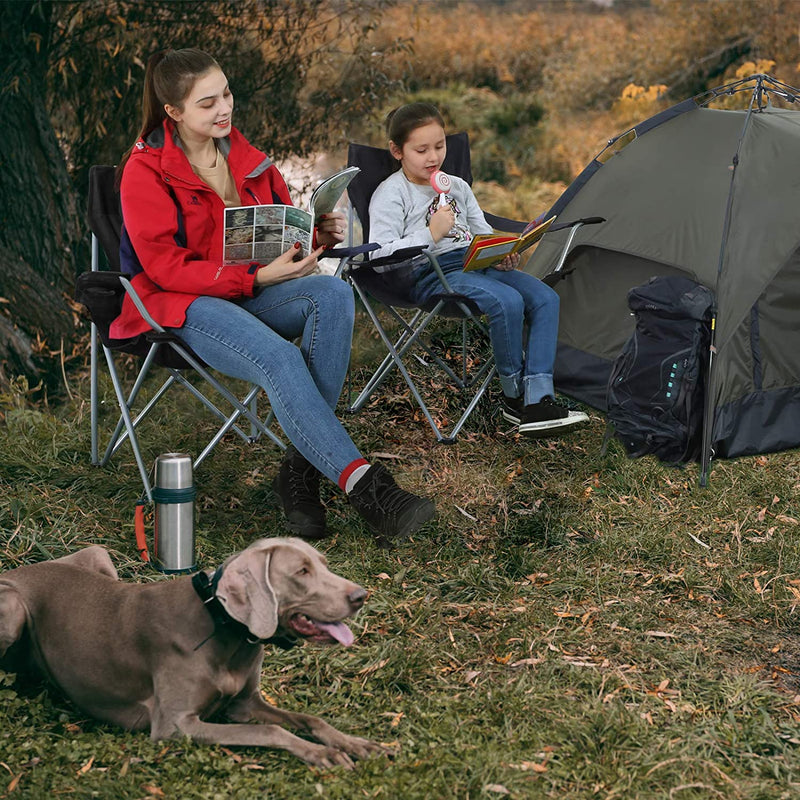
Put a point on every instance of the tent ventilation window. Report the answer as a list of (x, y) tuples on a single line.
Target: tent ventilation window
[(615, 145)]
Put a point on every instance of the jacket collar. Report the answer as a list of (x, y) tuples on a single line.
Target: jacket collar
[(244, 159)]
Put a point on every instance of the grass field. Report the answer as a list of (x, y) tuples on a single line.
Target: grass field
[(574, 624)]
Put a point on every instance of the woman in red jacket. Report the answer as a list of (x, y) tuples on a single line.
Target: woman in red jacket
[(187, 165)]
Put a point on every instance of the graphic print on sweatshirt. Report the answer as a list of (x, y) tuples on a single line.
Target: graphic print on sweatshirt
[(459, 232)]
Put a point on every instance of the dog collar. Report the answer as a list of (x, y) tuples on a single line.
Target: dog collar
[(206, 589)]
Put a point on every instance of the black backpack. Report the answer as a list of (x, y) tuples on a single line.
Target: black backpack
[(657, 383)]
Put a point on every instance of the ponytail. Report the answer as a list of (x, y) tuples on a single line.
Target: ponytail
[(168, 79)]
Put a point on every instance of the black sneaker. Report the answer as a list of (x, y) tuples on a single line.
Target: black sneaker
[(547, 418), (512, 408), (390, 511), (297, 487)]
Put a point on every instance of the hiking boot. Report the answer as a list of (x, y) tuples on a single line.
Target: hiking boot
[(512, 409), (390, 511), (297, 487), (547, 418)]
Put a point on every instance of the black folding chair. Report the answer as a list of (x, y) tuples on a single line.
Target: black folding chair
[(102, 292), (385, 282)]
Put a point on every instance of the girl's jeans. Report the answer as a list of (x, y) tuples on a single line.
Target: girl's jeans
[(510, 300), (252, 338)]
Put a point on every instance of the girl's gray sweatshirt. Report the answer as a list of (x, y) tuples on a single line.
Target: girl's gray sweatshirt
[(400, 211)]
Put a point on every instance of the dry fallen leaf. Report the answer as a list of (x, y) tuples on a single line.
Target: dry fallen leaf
[(86, 767), (529, 766), (527, 662)]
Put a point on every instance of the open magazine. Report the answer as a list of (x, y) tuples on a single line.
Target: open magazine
[(262, 233), (487, 249)]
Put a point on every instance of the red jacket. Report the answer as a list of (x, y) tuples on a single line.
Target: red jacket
[(171, 241)]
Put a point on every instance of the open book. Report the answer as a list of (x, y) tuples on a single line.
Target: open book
[(262, 233), (487, 249)]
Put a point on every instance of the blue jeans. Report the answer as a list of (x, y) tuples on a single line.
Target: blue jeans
[(511, 300), (252, 338)]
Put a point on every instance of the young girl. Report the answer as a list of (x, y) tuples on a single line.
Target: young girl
[(186, 166), (405, 211)]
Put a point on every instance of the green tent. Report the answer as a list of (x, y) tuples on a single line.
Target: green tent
[(714, 195)]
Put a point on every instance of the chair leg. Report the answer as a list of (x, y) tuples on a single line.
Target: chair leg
[(250, 402), (253, 404), (396, 361), (388, 363), (242, 409), (411, 335), (119, 436), (129, 424), (407, 339), (93, 396), (471, 407)]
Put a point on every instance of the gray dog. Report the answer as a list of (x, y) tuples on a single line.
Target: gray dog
[(171, 654)]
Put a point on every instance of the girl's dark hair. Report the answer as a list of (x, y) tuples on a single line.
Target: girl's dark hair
[(403, 120), (168, 79)]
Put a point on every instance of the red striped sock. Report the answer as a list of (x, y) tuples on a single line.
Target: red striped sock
[(349, 470)]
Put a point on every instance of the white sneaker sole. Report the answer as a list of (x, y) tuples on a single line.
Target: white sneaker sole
[(509, 416), (553, 426)]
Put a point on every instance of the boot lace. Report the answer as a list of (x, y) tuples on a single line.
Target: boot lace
[(303, 482), (387, 497)]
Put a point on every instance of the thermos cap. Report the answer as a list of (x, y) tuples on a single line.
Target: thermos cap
[(174, 471)]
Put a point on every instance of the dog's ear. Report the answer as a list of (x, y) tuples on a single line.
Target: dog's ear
[(246, 593), (12, 618)]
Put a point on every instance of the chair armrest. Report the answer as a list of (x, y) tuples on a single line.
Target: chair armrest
[(559, 226), (137, 301), (504, 224), (398, 257), (575, 225), (349, 252)]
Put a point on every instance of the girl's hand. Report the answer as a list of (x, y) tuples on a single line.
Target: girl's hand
[(285, 268), (441, 221), (331, 228), (510, 262)]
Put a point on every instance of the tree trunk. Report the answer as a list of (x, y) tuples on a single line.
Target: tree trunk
[(40, 236), (35, 324)]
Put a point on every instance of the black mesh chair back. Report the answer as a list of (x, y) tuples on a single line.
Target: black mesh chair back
[(101, 291), (391, 287), (377, 164), (104, 214)]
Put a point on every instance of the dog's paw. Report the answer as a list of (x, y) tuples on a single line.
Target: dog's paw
[(325, 757), (360, 748)]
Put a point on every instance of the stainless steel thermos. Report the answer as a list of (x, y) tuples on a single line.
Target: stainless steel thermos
[(173, 496)]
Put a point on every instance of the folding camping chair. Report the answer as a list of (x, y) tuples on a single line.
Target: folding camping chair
[(102, 291), (380, 283), (382, 280)]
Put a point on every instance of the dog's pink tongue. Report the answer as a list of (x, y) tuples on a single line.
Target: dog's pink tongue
[(338, 630)]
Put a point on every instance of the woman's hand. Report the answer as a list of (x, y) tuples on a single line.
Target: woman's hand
[(284, 267), (331, 228), (441, 221), (510, 262)]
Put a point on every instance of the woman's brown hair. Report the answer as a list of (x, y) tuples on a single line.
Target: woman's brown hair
[(168, 79)]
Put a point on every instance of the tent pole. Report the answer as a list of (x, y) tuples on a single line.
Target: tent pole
[(708, 413), (708, 408)]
